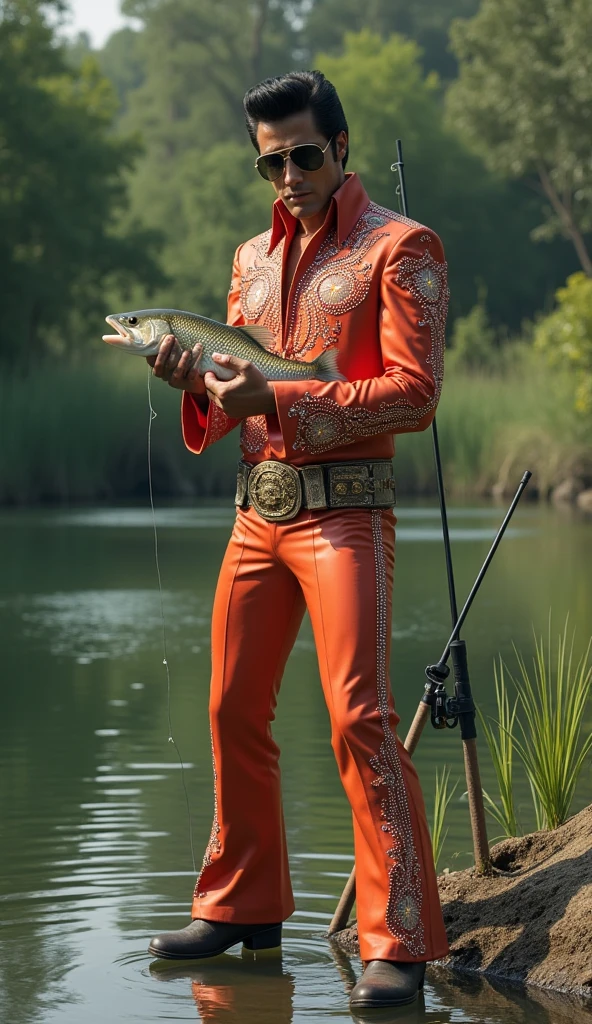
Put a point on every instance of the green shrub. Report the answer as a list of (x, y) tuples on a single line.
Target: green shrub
[(566, 336)]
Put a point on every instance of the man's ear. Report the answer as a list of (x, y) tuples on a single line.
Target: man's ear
[(341, 142)]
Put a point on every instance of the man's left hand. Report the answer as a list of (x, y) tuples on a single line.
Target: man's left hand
[(249, 393)]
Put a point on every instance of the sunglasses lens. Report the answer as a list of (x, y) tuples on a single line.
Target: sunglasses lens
[(308, 158), (270, 167)]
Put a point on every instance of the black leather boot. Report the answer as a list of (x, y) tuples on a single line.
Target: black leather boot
[(210, 938), (387, 983)]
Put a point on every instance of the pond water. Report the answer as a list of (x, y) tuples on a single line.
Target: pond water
[(94, 834)]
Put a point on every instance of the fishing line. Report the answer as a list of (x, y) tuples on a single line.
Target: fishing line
[(152, 416)]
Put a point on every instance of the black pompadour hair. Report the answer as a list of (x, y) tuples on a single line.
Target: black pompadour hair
[(273, 99)]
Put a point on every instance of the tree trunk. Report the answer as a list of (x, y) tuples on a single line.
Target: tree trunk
[(563, 211)]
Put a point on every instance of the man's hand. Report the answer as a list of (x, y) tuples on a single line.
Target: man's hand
[(249, 393), (177, 366)]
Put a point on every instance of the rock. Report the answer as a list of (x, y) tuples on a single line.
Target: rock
[(585, 501), (567, 491), (528, 923)]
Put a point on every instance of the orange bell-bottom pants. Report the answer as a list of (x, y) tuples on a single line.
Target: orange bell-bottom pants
[(339, 565)]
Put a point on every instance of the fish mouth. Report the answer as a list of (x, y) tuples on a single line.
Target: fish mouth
[(116, 339)]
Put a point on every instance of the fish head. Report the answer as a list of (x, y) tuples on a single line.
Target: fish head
[(139, 332)]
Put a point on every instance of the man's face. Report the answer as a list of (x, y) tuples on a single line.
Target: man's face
[(305, 193)]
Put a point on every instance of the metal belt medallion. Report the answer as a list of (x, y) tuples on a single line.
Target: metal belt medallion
[(275, 490)]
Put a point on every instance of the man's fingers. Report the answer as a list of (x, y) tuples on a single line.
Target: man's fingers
[(166, 346), (185, 363), (213, 385), (196, 354), (232, 362)]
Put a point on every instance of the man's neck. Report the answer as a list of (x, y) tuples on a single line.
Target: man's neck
[(308, 226)]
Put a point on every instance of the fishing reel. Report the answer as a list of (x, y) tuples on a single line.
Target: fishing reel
[(446, 712)]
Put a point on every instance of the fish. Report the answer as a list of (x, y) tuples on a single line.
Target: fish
[(141, 332)]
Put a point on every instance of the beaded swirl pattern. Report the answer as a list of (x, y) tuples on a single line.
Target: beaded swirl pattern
[(214, 845), (403, 911), (324, 424)]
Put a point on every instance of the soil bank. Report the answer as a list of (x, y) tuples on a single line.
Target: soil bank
[(532, 922)]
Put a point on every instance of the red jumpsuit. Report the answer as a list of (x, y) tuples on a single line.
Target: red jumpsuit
[(372, 284)]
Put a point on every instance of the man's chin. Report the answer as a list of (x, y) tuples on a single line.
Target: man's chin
[(306, 206)]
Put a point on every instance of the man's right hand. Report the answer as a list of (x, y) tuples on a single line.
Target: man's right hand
[(178, 366)]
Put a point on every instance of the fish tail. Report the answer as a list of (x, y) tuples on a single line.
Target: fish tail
[(326, 367)]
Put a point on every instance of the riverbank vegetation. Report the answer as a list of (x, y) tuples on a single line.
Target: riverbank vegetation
[(128, 182), (78, 433), (542, 710)]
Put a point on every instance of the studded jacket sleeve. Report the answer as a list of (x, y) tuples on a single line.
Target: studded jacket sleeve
[(202, 429), (398, 396)]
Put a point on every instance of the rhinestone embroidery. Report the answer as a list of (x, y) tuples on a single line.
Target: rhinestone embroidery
[(260, 285), (214, 845), (254, 434), (334, 288), (218, 423), (337, 281), (403, 912), (324, 424)]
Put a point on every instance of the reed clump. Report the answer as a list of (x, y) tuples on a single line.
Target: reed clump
[(543, 725)]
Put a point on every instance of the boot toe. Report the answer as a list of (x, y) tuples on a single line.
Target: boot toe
[(387, 983)]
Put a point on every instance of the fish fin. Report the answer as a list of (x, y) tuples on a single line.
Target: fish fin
[(326, 367), (261, 335)]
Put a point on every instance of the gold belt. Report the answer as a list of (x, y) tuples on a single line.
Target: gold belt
[(278, 491)]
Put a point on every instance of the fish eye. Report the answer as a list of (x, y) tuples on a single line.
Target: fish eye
[(132, 320)]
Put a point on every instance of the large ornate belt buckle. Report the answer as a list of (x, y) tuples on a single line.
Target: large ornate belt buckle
[(275, 491)]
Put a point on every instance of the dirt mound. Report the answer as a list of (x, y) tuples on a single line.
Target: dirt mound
[(530, 924)]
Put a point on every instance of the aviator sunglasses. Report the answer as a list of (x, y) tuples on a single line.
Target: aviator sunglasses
[(308, 157)]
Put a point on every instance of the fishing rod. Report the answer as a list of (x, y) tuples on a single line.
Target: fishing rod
[(444, 711), (401, 190)]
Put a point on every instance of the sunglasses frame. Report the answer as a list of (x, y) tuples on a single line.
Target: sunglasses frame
[(285, 153)]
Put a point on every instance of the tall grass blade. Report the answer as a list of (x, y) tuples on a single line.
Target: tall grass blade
[(501, 749), (443, 796), (553, 698)]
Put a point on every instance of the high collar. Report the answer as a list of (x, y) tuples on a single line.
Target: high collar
[(345, 209)]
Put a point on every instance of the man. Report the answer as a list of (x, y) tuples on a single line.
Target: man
[(315, 529)]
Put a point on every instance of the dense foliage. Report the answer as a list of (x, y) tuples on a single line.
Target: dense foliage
[(61, 189), (566, 336), (524, 99), (127, 178)]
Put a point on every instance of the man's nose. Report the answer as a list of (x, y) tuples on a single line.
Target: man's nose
[(292, 173)]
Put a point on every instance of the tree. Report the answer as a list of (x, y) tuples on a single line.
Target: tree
[(208, 56), (565, 335), (524, 101), (425, 21), (195, 181), (61, 187), (386, 95)]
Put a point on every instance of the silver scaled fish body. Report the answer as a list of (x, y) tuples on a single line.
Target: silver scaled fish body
[(141, 332)]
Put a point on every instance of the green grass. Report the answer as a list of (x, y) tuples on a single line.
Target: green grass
[(442, 797), (553, 695), (543, 726), (501, 748), (76, 433)]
